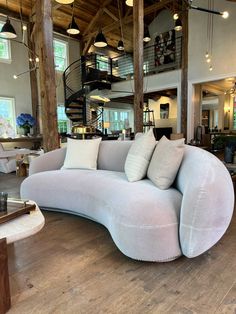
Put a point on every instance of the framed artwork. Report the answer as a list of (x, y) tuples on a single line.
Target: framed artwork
[(164, 111), (165, 48)]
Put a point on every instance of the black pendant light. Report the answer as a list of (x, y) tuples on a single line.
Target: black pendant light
[(8, 30), (178, 25), (73, 28), (100, 40), (120, 45), (146, 36)]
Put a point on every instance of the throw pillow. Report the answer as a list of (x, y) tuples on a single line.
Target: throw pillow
[(165, 162), (82, 154), (139, 155)]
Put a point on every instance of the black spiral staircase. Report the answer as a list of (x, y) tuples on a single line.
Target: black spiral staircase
[(80, 78)]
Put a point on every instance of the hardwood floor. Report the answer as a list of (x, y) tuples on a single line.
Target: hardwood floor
[(73, 266)]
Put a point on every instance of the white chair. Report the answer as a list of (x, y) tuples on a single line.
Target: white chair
[(8, 158)]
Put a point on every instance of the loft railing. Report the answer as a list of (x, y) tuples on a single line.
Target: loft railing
[(156, 58)]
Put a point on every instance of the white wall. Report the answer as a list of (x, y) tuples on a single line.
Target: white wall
[(20, 88), (224, 43)]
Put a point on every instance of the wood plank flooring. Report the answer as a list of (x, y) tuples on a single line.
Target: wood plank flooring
[(72, 266)]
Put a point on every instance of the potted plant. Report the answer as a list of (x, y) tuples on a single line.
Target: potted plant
[(25, 121)]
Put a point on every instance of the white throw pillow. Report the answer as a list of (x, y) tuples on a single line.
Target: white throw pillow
[(139, 155), (165, 162), (81, 154)]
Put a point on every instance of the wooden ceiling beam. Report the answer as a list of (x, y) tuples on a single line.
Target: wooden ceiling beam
[(13, 14), (128, 19), (97, 17), (108, 12)]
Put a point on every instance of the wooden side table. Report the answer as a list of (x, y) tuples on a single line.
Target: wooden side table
[(14, 230)]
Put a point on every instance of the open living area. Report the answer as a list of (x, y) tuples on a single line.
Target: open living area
[(117, 156)]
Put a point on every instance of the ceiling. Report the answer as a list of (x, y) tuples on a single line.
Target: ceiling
[(216, 88), (91, 15)]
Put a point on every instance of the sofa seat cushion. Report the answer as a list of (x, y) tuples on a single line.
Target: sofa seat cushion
[(142, 219)]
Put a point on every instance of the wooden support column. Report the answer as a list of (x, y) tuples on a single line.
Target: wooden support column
[(5, 296), (138, 15), (184, 76), (44, 44), (33, 79)]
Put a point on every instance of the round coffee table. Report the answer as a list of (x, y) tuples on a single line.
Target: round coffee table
[(12, 231)]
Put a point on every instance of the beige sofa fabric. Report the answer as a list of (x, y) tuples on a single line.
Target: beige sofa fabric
[(145, 222), (165, 162)]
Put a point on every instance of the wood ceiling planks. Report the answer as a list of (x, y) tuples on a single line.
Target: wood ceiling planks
[(91, 15)]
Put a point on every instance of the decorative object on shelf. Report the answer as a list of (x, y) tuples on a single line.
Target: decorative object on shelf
[(6, 129), (25, 121)]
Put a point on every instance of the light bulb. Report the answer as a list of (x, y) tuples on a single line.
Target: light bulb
[(15, 76), (208, 60), (176, 16), (30, 59), (24, 27), (37, 59), (225, 14), (210, 68), (207, 55)]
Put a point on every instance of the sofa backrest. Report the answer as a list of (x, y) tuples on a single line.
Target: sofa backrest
[(208, 200), (112, 155)]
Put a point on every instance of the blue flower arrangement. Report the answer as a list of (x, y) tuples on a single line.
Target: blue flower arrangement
[(25, 121)]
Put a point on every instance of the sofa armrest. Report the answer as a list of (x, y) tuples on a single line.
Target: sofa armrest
[(50, 161), (208, 201)]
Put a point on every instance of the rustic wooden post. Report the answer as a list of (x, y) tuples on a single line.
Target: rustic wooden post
[(33, 78), (44, 40), (138, 14), (5, 296), (184, 77)]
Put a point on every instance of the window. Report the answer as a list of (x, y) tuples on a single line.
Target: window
[(102, 63), (62, 120), (5, 51), (119, 119), (60, 54), (7, 110)]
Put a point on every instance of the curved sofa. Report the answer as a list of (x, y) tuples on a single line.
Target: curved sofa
[(146, 223)]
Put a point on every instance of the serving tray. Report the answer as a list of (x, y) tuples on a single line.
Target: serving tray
[(16, 208)]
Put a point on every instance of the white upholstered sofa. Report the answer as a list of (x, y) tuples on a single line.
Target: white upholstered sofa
[(146, 223)]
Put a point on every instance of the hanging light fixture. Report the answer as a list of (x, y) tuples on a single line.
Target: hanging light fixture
[(178, 25), (146, 36), (65, 1), (120, 45), (100, 40), (129, 3), (73, 28), (8, 30)]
